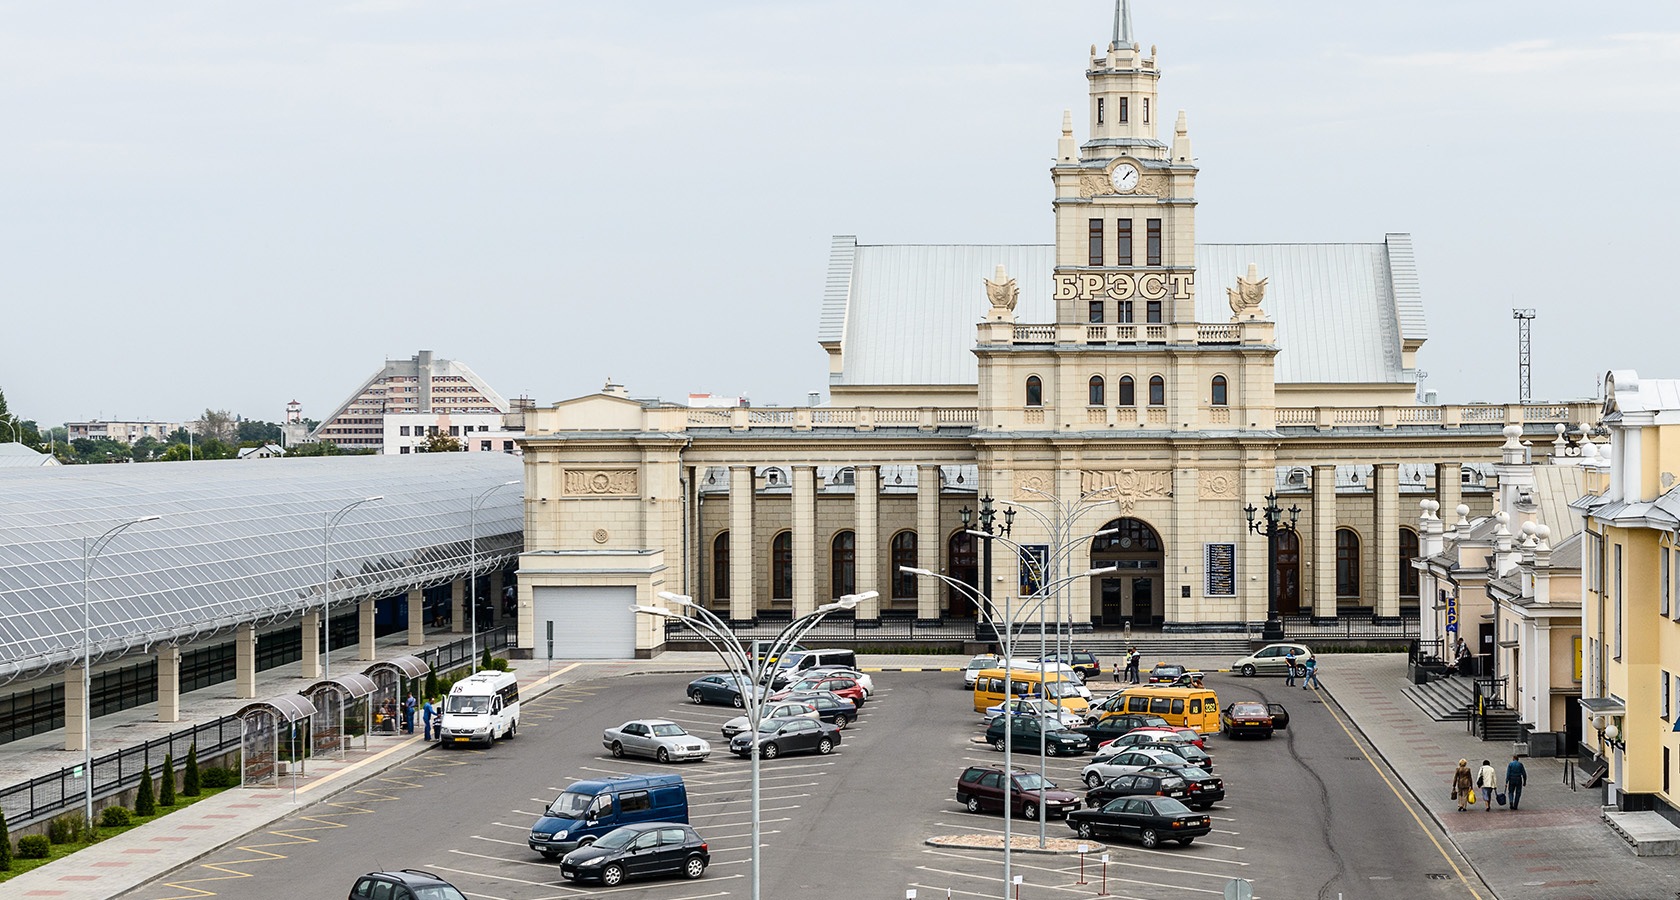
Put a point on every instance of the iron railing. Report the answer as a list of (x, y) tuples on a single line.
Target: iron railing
[(842, 627), (1351, 627), (457, 654)]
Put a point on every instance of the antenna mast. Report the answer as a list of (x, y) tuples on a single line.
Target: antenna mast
[(1524, 319)]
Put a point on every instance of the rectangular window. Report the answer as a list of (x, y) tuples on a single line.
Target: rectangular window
[(1097, 317), (1123, 110), (484, 445), (403, 430), (1153, 239), (507, 446), (1665, 695), (1095, 252), (1099, 110), (1617, 599), (1123, 312), (634, 801), (1146, 110), (455, 430), (1152, 309), (1123, 241), (402, 449), (1663, 568)]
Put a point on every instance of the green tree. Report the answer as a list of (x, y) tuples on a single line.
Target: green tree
[(258, 433), (5, 845), (175, 453), (145, 802), (431, 682), (190, 781), (166, 781), (145, 448), (323, 448), (216, 425), (440, 443)]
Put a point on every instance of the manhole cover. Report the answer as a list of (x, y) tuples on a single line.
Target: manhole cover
[(1438, 876)]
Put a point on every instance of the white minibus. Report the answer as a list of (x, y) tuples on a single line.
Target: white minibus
[(480, 709)]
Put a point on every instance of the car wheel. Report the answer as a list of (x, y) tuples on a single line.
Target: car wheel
[(697, 697), (998, 745), (1185, 842), (695, 867), (617, 750), (1267, 735), (841, 722), (663, 755), (973, 804), (1248, 671), (1050, 750), (612, 874), (769, 751), (824, 746), (1092, 779), (1204, 807), (735, 701), (586, 841), (1029, 811), (550, 854), (1086, 831), (1148, 838)]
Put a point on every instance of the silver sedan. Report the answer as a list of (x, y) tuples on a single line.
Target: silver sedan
[(657, 738), (783, 709)]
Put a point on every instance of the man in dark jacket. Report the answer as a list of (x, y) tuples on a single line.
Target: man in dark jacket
[(1515, 777)]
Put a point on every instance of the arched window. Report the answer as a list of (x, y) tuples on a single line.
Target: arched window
[(1095, 390), (720, 567), (1289, 573), (1128, 397), (903, 554), (1408, 552), (1219, 393), (1347, 563), (1157, 391), (842, 564), (1035, 391), (781, 566)]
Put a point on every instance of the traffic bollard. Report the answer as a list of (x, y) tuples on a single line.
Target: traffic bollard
[(1083, 849), (1104, 891)]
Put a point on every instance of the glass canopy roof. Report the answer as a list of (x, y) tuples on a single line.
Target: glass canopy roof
[(238, 542)]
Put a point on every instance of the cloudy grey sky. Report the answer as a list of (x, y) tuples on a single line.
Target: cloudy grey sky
[(236, 204)]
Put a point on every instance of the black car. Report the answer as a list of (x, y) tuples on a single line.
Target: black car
[(407, 884), (1165, 673), (1082, 661), (1114, 725), (639, 851), (726, 689), (778, 736), (831, 708), (1205, 790), (1148, 820), (1192, 754), (1025, 736), (1152, 784)]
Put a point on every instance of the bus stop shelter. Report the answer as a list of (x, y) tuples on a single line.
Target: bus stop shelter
[(391, 677), (268, 729), (343, 709)]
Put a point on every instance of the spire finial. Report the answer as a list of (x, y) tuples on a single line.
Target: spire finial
[(1122, 26)]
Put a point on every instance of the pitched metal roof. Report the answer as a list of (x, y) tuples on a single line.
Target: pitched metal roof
[(905, 313)]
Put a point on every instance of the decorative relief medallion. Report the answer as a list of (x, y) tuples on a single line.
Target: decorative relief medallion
[(601, 535), (1219, 485), (601, 483), (1127, 486), (1027, 482), (1099, 185)]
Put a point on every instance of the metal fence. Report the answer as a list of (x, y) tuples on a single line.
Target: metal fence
[(458, 654), (1351, 627), (838, 627)]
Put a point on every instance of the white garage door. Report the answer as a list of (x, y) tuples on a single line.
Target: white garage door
[(585, 622)]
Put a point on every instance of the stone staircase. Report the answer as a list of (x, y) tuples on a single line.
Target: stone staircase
[(1503, 725), (1443, 699)]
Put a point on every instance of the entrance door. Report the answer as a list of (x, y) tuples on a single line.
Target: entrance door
[(1113, 595), (1143, 601), (965, 567), (1571, 727), (1289, 573), (1484, 647)]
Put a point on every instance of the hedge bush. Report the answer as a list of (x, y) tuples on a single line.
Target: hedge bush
[(116, 817), (213, 777), (34, 846), (499, 664)]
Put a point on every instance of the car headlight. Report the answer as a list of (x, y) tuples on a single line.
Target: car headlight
[(593, 862), (560, 835)]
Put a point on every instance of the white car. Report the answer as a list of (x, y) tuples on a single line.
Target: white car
[(660, 739), (1128, 762), (1032, 706), (857, 675), (785, 709), (977, 665)]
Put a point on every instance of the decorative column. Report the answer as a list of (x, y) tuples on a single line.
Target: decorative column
[(928, 542), (867, 484), (743, 545), (310, 666), (458, 606), (1449, 488), (1385, 497), (416, 618), (75, 733), (804, 539), (169, 683), (368, 611), (245, 662), (1324, 541)]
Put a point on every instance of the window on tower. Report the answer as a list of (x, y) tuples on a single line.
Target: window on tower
[(1123, 241), (1157, 391), (1220, 392), (1127, 397), (1096, 312), (1123, 312), (1152, 312), (1095, 251), (1146, 110), (1099, 110), (1154, 242), (1035, 391), (1122, 110)]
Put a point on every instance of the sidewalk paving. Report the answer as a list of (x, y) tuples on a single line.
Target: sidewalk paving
[(1555, 848)]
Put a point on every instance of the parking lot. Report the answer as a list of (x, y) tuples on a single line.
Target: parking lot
[(1307, 814)]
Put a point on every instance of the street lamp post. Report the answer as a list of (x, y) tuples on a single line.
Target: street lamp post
[(330, 522), (472, 572), (1271, 524), (91, 548), (987, 530), (1065, 516), (747, 669)]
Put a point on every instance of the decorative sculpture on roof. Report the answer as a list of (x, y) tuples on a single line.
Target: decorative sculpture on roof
[(1002, 291), (1246, 296)]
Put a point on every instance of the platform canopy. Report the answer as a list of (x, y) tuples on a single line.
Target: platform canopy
[(238, 542)]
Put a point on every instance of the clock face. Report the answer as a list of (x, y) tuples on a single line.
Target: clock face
[(1124, 176)]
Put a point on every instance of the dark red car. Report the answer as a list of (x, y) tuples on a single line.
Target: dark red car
[(839, 685), (981, 788)]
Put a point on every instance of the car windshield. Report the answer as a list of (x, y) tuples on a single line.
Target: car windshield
[(468, 705), (1194, 773), (614, 840), (1167, 806), (668, 729), (770, 726), (437, 892), (1164, 669), (1248, 709), (981, 663), (570, 805), (1031, 782), (790, 660), (1060, 689)]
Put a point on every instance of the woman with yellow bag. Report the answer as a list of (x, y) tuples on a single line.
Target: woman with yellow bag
[(1463, 789)]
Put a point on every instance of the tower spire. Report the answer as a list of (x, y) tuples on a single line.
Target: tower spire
[(1122, 26)]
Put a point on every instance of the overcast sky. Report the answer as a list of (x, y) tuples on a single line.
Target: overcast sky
[(238, 204)]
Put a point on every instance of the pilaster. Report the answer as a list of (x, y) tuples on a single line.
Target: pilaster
[(75, 705), (1385, 490), (867, 482), (368, 611), (742, 543), (310, 664), (1324, 541), (804, 539), (169, 683), (245, 662), (928, 542), (458, 606), (416, 619)]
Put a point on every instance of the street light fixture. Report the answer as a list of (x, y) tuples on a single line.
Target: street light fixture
[(91, 548), (1271, 524), (747, 669), (331, 522), (472, 572)]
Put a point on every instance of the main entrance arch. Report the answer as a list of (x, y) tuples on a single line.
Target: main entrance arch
[(964, 556), (1134, 594)]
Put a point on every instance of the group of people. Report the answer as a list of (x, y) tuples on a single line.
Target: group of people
[(1465, 783), (1134, 662), (1308, 671)]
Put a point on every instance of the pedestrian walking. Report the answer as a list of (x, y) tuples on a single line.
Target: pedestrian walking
[(1487, 781), (1311, 681), (1515, 777), (1462, 783), (1289, 673), (1137, 666), (408, 713), (426, 714)]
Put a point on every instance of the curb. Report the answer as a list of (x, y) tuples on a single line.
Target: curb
[(950, 845)]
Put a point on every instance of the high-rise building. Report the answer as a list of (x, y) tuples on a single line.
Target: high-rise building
[(422, 384)]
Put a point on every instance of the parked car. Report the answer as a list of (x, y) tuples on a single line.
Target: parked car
[(1138, 784), (977, 665), (1168, 735), (588, 810), (1205, 790), (836, 684), (858, 675), (792, 666), (1127, 762), (1113, 725), (1032, 706), (981, 789), (639, 851), (777, 709), (778, 736), (1246, 717), (418, 884), (1148, 820), (1272, 659), (661, 739), (1165, 673), (1024, 736), (759, 649), (726, 689), (1083, 661), (831, 708), (1192, 754)]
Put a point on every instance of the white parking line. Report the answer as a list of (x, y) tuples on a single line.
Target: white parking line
[(733, 790), (748, 813), (479, 837), (542, 884), (506, 825), (1019, 866), (749, 800)]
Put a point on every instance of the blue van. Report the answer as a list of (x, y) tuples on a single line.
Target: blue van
[(589, 809)]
